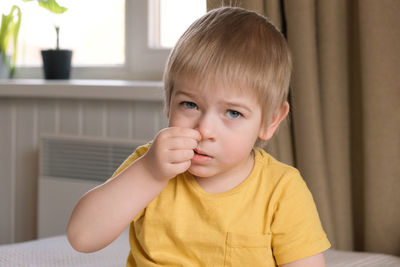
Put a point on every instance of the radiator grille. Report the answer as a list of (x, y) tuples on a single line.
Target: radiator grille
[(83, 157)]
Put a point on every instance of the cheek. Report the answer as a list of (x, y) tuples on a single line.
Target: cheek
[(241, 146), (178, 120), (243, 140), (237, 153), (239, 137)]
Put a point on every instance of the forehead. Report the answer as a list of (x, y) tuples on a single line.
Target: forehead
[(213, 87)]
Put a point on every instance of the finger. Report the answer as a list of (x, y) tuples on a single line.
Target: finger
[(179, 143), (178, 156), (181, 167), (185, 132)]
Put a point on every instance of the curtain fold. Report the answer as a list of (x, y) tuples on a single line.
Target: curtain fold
[(345, 102), (311, 154), (379, 43)]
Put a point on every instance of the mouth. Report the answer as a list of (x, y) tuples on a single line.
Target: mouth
[(200, 156), (199, 152)]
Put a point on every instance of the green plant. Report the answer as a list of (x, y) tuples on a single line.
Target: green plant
[(53, 7), (50, 5), (10, 25), (9, 29)]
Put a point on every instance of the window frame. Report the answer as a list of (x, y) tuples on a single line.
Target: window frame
[(142, 62)]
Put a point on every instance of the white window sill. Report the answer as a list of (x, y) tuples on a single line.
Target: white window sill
[(82, 89)]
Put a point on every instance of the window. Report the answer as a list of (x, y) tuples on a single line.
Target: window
[(119, 39), (170, 18), (93, 29), (146, 58)]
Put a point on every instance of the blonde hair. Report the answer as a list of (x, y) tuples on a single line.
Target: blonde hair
[(234, 47)]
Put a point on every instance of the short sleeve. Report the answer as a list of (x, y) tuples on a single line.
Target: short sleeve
[(297, 232), (140, 151)]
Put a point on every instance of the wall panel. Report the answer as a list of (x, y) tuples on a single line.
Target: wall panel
[(23, 120), (69, 116), (93, 118), (26, 170), (7, 112), (119, 119)]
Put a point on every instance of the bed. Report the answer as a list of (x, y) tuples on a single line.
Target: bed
[(55, 251)]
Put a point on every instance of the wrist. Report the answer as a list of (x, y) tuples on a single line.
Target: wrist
[(150, 171)]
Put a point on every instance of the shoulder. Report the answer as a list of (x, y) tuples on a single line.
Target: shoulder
[(280, 180), (276, 171), (296, 228)]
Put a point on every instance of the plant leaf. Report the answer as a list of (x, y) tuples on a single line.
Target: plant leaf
[(3, 31), (15, 30), (9, 29), (50, 5)]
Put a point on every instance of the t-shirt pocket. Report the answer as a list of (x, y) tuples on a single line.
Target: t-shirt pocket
[(248, 250)]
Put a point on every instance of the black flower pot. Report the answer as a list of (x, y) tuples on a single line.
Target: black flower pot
[(56, 63)]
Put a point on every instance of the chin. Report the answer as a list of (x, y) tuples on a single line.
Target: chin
[(200, 172)]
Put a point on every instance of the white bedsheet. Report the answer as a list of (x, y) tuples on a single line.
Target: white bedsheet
[(335, 258), (56, 251)]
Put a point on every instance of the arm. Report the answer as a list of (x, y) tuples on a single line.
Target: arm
[(105, 211), (316, 260)]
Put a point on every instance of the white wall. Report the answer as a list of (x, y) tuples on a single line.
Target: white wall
[(26, 111)]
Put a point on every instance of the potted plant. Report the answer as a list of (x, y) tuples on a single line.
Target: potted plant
[(56, 62), (9, 28)]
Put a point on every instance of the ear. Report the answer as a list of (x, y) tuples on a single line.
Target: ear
[(267, 131)]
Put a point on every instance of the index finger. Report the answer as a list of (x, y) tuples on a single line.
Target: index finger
[(185, 132)]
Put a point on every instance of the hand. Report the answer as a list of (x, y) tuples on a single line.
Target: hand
[(171, 152)]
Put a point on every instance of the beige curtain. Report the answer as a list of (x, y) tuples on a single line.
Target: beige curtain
[(344, 132)]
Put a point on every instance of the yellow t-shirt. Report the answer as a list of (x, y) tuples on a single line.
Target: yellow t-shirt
[(269, 219)]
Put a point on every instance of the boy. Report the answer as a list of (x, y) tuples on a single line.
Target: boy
[(200, 194)]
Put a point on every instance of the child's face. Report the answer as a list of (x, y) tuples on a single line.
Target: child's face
[(229, 123)]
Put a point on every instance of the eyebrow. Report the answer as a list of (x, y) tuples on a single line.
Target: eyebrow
[(181, 92), (227, 103), (238, 105)]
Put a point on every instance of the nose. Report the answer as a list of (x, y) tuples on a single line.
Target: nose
[(207, 127)]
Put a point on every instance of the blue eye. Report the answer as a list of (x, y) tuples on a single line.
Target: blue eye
[(189, 105), (233, 114)]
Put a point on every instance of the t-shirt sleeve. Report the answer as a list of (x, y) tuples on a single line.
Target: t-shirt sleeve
[(140, 151), (297, 232)]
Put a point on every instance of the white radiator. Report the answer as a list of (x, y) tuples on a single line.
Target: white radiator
[(69, 167)]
